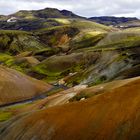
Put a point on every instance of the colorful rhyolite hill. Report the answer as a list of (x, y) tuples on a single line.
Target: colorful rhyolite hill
[(65, 77)]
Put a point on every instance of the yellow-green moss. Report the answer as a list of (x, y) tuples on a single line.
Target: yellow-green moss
[(5, 115)]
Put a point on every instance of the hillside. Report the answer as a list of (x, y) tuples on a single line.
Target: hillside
[(130, 24), (35, 19), (38, 19), (28, 52), (111, 115), (17, 87), (90, 57), (46, 13), (77, 47)]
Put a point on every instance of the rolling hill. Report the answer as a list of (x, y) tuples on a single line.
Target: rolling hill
[(113, 114), (16, 87)]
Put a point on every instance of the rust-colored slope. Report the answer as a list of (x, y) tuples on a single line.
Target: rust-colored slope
[(113, 115), (59, 98), (15, 86)]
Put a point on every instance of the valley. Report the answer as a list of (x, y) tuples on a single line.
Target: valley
[(68, 77)]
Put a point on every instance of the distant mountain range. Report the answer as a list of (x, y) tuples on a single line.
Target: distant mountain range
[(36, 19), (107, 20)]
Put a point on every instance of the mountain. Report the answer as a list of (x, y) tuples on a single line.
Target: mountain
[(112, 20), (77, 47), (45, 13), (48, 47), (129, 24), (35, 19), (67, 77)]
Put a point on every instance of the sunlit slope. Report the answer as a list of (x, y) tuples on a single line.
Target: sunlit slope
[(111, 115), (15, 86)]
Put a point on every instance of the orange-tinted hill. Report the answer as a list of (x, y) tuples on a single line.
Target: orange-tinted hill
[(15, 86), (112, 115)]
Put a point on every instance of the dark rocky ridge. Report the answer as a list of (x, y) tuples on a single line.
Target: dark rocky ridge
[(108, 20)]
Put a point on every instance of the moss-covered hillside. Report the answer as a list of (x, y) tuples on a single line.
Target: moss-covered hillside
[(77, 52)]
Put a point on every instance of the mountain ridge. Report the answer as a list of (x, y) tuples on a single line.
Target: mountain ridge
[(112, 20), (47, 13)]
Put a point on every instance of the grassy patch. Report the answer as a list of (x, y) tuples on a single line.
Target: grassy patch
[(62, 20), (4, 57), (122, 45), (5, 115), (84, 24), (87, 40)]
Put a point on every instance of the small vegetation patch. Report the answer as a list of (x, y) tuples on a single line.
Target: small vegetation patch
[(62, 20), (87, 40), (5, 115)]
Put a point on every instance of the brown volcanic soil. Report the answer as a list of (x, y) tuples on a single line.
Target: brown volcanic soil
[(59, 98), (15, 86), (113, 115)]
